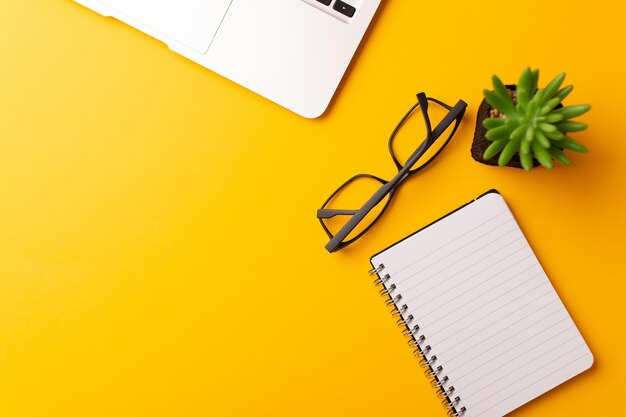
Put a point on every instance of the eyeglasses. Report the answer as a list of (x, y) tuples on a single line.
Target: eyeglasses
[(352, 224)]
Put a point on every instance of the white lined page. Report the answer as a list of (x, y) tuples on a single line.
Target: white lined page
[(486, 308)]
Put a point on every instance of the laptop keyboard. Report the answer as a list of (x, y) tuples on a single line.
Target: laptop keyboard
[(342, 7), (343, 10)]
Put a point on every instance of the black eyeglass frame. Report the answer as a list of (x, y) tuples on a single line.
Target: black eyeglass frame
[(388, 188)]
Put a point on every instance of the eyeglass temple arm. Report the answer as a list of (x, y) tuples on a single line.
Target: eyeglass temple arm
[(456, 112), (330, 213)]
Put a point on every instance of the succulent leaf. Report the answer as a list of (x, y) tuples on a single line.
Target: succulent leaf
[(505, 105), (527, 161), (564, 92), (553, 87), (559, 156), (501, 132), (524, 147), (555, 135), (525, 87), (571, 126), (538, 99), (542, 154), (535, 83), (493, 122), (531, 108), (495, 147), (572, 145), (500, 89), (547, 127), (550, 105), (508, 152), (530, 133), (542, 139), (553, 118), (519, 132), (569, 112)]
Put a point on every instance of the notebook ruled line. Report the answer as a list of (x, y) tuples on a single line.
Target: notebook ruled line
[(469, 397), (487, 292), (399, 271), (465, 257), (534, 382), (477, 274), (504, 306), (450, 265), (491, 358), (494, 300), (523, 318), (526, 363), (494, 276)]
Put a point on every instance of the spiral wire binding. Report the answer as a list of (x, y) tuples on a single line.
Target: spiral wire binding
[(434, 372)]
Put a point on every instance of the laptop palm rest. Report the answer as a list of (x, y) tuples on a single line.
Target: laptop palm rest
[(192, 23)]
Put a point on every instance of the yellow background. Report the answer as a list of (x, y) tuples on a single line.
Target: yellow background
[(159, 252)]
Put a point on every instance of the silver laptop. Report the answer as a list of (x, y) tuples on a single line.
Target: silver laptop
[(293, 52)]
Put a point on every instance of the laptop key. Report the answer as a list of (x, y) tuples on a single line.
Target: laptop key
[(325, 2), (344, 8)]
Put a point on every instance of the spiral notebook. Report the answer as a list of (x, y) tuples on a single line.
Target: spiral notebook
[(491, 332)]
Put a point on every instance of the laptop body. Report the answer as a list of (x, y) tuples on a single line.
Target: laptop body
[(293, 52)]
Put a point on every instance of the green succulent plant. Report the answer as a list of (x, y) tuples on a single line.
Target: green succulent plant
[(532, 122)]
